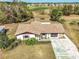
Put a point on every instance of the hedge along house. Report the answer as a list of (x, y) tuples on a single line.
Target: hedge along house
[(42, 31), (51, 2)]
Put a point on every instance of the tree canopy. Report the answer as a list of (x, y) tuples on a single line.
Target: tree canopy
[(55, 15), (12, 13), (4, 42)]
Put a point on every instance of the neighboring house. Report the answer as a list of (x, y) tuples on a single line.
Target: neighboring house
[(40, 30), (2, 29)]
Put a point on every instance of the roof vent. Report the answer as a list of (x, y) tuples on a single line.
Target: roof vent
[(46, 23)]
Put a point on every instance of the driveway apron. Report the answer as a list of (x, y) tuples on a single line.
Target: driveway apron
[(64, 48)]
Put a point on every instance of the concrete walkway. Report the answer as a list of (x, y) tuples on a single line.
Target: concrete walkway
[(64, 48)]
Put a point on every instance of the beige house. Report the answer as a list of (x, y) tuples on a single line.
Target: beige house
[(42, 31)]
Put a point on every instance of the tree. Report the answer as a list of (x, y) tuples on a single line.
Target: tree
[(2, 17), (76, 10), (67, 10), (14, 13), (4, 42), (55, 15)]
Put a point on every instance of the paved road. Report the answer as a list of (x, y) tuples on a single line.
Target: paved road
[(64, 48)]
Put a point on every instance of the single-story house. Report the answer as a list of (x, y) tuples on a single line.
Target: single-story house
[(2, 29), (40, 30)]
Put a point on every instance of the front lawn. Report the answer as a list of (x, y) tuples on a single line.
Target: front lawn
[(38, 51)]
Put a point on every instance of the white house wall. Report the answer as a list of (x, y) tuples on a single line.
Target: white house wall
[(48, 36), (19, 37), (22, 35), (61, 34)]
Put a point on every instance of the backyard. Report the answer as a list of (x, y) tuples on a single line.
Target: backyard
[(39, 51)]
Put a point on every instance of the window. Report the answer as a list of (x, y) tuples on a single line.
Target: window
[(25, 36), (43, 33), (54, 34), (43, 36)]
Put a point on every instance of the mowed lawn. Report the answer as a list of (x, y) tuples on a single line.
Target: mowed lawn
[(38, 51)]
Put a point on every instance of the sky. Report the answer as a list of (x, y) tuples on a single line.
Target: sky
[(35, 1)]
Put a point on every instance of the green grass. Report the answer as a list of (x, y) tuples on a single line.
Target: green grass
[(39, 51)]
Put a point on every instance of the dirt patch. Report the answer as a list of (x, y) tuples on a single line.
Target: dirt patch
[(71, 17)]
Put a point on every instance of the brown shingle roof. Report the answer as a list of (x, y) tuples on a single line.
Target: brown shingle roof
[(37, 28)]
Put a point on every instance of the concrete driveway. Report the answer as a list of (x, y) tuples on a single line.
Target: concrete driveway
[(64, 48)]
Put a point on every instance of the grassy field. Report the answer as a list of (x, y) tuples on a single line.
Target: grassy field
[(39, 51), (72, 31)]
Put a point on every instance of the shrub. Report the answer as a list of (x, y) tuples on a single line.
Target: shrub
[(14, 44), (31, 41), (78, 23), (72, 23), (7, 43), (76, 10), (12, 40)]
